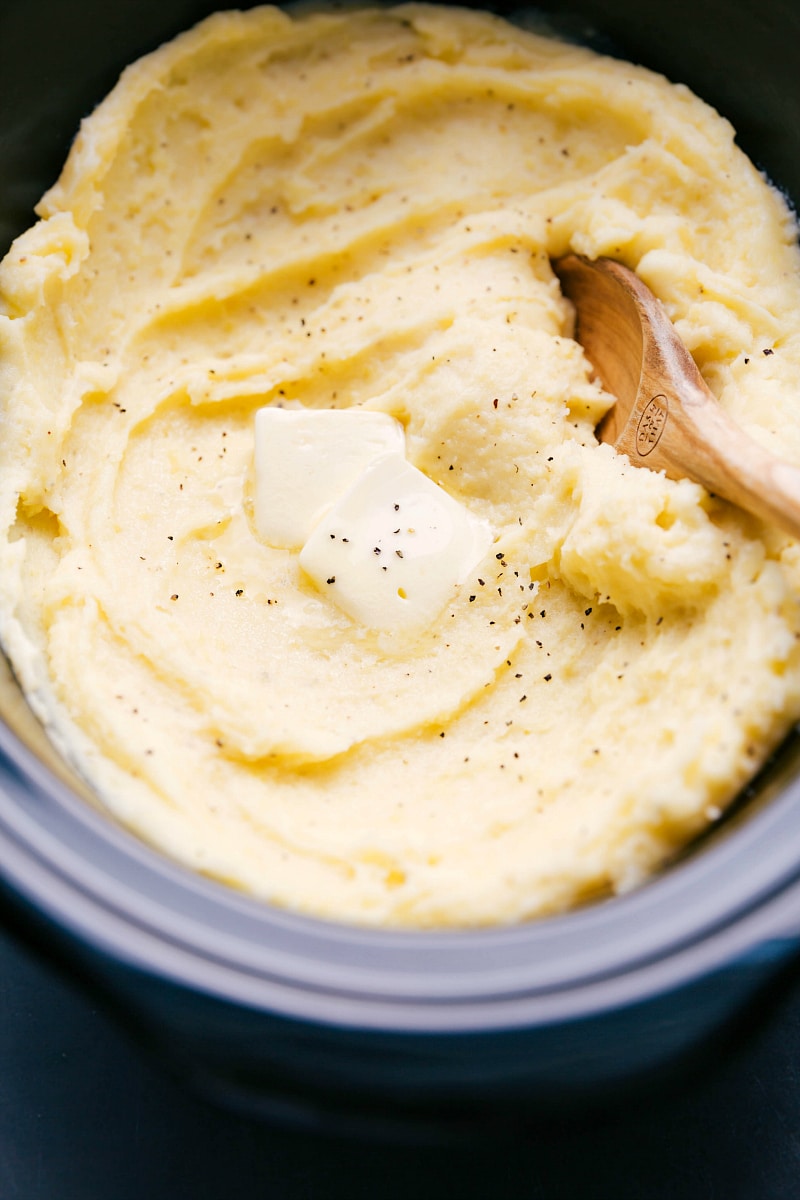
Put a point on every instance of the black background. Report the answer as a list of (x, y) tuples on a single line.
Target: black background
[(84, 1115)]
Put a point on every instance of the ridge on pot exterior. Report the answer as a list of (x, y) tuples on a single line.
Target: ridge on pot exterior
[(295, 1017)]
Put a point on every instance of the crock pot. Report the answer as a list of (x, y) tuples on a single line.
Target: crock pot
[(288, 1016)]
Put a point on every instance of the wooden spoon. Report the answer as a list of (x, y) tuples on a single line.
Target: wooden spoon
[(666, 418)]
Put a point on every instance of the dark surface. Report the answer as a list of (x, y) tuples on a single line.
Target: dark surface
[(84, 1116)]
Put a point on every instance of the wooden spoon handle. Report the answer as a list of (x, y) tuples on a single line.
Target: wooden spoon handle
[(691, 436), (665, 417), (675, 423)]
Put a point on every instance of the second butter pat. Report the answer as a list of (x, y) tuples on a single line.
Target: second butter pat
[(393, 549)]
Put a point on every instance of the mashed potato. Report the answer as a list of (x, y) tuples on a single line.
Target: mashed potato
[(359, 210)]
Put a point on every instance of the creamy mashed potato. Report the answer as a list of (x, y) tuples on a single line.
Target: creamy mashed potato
[(359, 210)]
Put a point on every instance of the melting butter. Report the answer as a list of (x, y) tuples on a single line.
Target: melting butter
[(393, 549)]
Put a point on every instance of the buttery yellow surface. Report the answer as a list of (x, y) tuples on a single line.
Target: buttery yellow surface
[(359, 209)]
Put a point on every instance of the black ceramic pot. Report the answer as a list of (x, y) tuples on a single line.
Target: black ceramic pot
[(292, 1016)]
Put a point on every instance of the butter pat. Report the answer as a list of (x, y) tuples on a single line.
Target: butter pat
[(305, 459), (392, 550)]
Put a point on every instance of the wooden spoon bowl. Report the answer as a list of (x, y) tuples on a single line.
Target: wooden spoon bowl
[(665, 417)]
